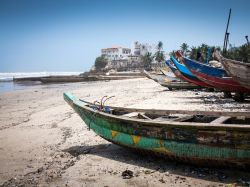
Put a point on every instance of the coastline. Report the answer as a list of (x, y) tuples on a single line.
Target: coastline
[(44, 142)]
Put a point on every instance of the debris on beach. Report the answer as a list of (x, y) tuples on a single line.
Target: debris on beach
[(127, 174)]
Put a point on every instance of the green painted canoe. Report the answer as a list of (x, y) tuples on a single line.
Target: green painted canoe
[(199, 137)]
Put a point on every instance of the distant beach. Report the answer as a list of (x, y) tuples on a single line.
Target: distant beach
[(7, 84)]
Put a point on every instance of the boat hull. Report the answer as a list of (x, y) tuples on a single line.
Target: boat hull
[(238, 70), (216, 77), (206, 145), (179, 85), (159, 77), (187, 75)]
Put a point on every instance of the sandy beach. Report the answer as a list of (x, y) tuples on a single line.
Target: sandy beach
[(45, 143)]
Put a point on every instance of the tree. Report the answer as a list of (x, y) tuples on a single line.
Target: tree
[(172, 53), (100, 63), (184, 48), (193, 52), (244, 53), (159, 46), (159, 57), (147, 60)]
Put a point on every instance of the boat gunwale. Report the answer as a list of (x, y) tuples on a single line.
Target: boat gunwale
[(169, 123), (223, 60)]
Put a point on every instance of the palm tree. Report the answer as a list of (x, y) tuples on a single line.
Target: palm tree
[(159, 46), (147, 60), (193, 52), (184, 48), (159, 57)]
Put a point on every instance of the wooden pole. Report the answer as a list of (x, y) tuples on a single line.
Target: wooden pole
[(226, 33), (227, 41)]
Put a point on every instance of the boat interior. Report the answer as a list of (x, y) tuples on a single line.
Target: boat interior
[(241, 118)]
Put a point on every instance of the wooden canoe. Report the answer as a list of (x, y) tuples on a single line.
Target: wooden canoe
[(216, 77), (174, 70), (188, 75), (238, 70), (179, 85), (199, 137), (170, 82), (160, 77), (76, 78)]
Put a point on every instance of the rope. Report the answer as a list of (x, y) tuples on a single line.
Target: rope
[(101, 108)]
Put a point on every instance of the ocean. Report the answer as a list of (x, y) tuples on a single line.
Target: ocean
[(7, 84)]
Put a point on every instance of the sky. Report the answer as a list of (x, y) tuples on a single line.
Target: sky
[(67, 35)]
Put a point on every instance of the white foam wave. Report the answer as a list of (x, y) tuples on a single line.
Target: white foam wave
[(10, 76)]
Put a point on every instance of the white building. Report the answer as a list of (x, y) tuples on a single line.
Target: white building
[(142, 49), (116, 53)]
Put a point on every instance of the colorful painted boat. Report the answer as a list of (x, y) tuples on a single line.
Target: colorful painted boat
[(174, 70), (171, 66), (238, 70), (199, 137), (188, 75), (217, 77)]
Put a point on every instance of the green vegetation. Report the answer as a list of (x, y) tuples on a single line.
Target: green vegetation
[(100, 63), (147, 61), (184, 48), (159, 57), (241, 53)]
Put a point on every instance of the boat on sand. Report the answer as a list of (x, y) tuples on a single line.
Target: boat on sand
[(170, 82), (188, 75), (240, 71), (211, 138)]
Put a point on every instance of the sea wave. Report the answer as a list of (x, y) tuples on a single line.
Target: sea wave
[(10, 75)]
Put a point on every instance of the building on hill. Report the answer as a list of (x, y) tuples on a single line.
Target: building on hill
[(141, 49), (116, 53), (122, 59)]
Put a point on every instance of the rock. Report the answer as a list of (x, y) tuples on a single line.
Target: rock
[(127, 174), (40, 170), (148, 172), (161, 180)]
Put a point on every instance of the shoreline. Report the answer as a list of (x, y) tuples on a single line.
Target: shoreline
[(44, 142)]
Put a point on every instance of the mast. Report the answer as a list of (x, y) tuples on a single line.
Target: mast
[(226, 33), (247, 40)]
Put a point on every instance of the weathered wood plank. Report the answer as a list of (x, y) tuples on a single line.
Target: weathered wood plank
[(143, 116), (131, 114), (189, 112), (220, 120), (182, 118)]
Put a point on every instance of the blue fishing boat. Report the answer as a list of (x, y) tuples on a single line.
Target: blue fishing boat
[(216, 77), (204, 68), (171, 66), (186, 74), (182, 68), (174, 70)]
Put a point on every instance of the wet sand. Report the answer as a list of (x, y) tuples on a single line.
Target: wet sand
[(45, 143)]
